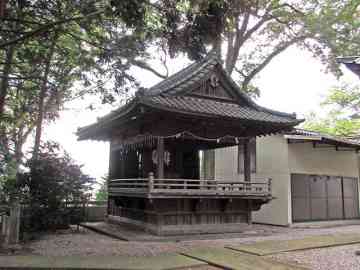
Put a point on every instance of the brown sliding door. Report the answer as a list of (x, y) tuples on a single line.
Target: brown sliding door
[(334, 198), (351, 203), (321, 197)]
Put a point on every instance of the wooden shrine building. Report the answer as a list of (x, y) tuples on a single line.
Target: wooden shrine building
[(158, 179)]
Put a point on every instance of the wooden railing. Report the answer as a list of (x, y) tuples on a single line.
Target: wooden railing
[(155, 186)]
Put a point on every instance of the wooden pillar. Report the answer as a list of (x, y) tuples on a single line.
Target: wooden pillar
[(151, 182), (121, 159), (3, 224), (110, 176), (247, 161), (209, 164), (247, 174), (160, 158)]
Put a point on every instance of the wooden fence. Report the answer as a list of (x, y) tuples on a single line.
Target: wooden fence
[(9, 221), (4, 213), (89, 211), (95, 211)]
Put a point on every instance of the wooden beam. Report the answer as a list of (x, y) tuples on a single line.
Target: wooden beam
[(303, 137), (160, 158)]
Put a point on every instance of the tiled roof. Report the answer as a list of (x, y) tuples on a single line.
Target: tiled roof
[(351, 62), (172, 95), (182, 79), (325, 137), (213, 107)]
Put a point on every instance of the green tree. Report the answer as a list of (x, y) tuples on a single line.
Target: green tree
[(343, 106), (102, 193), (248, 34), (38, 75)]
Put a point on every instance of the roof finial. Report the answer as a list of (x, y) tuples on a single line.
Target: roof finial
[(216, 54)]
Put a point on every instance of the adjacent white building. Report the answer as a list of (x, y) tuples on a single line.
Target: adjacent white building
[(314, 176)]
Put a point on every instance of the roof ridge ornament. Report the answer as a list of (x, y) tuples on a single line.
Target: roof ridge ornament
[(216, 55), (140, 92)]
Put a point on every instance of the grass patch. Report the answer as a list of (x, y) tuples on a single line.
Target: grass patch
[(161, 262), (230, 259), (275, 246)]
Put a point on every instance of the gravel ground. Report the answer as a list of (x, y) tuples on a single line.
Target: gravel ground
[(334, 258), (89, 243)]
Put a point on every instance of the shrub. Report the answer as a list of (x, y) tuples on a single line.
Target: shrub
[(102, 193), (55, 189)]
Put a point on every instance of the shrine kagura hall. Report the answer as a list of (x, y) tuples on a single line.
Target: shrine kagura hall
[(161, 174)]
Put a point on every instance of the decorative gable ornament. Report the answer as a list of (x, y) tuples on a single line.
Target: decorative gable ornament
[(214, 81)]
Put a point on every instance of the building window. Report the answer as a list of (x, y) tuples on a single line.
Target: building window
[(241, 155)]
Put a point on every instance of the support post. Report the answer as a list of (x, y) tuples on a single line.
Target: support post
[(110, 176), (270, 186), (209, 164), (247, 161), (247, 174), (151, 182), (4, 223), (160, 158)]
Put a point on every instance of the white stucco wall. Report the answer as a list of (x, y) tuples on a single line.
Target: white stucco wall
[(271, 162), (304, 158)]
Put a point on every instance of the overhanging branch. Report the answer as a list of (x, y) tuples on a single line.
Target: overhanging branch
[(267, 60), (147, 67), (47, 27)]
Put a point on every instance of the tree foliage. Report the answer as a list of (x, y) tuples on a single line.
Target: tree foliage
[(48, 61), (54, 189), (247, 34), (343, 106), (102, 193)]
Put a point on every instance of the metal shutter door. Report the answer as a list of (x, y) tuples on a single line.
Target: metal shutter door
[(334, 198), (318, 197), (351, 204), (300, 197)]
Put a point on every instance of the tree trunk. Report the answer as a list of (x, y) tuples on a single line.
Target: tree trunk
[(5, 80), (3, 7), (217, 45), (43, 90)]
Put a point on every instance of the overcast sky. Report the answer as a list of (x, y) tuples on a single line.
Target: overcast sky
[(292, 82)]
